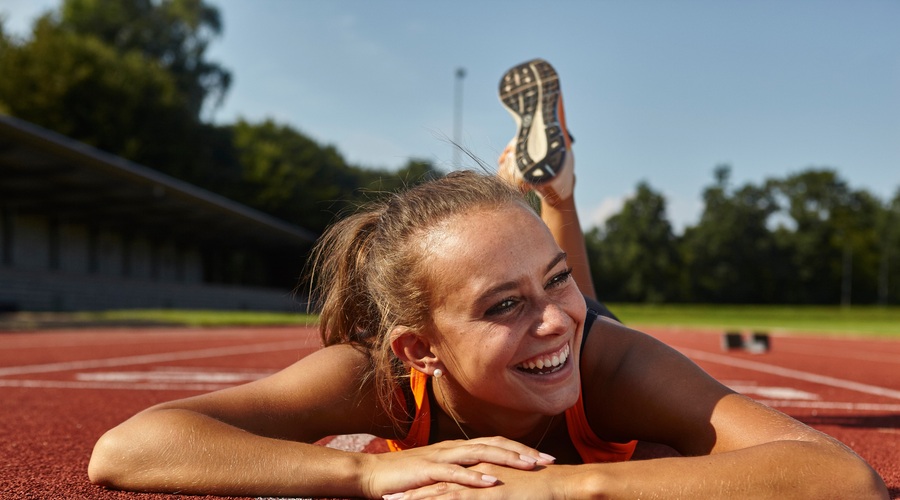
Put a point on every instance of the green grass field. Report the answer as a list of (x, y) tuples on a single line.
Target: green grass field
[(150, 317), (205, 317), (858, 320)]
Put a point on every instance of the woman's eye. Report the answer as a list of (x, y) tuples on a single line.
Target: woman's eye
[(501, 307), (560, 279)]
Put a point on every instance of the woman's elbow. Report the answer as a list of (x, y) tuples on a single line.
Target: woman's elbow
[(107, 466), (857, 479), (122, 458), (870, 484)]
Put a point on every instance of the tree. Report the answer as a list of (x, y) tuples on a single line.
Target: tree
[(888, 228), (131, 77), (173, 33), (634, 258), (414, 172), (82, 88), (834, 242), (128, 77), (807, 238), (287, 174), (6, 45), (730, 255)]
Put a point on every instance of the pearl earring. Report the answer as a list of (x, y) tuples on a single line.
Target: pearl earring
[(438, 373)]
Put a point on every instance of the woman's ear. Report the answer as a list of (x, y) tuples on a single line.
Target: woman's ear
[(413, 349)]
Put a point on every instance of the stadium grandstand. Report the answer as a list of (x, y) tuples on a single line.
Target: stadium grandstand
[(81, 229)]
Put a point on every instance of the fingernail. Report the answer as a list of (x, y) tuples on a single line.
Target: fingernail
[(526, 458), (486, 478), (547, 457), (393, 496)]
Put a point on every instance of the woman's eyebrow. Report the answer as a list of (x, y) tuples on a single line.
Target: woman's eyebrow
[(561, 256), (509, 285)]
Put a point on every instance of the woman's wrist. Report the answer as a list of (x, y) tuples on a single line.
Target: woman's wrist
[(590, 481), (362, 469), (550, 201), (331, 473)]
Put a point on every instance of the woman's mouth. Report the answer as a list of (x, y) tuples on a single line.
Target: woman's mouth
[(545, 363)]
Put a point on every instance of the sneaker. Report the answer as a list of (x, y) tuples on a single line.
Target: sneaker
[(541, 150)]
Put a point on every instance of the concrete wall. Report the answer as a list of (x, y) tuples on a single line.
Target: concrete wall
[(57, 291), (51, 265)]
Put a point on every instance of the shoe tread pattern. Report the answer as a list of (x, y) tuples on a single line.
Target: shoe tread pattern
[(528, 89)]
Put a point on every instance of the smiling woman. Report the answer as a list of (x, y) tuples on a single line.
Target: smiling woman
[(463, 328)]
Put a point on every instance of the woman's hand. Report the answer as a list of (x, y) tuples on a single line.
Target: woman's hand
[(540, 483), (447, 464)]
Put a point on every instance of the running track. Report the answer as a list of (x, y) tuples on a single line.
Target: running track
[(60, 390)]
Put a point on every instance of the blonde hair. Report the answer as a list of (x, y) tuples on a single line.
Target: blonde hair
[(367, 272)]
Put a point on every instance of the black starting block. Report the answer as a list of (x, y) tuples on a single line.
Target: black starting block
[(757, 343), (732, 341)]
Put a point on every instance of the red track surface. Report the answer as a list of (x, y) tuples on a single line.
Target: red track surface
[(61, 390)]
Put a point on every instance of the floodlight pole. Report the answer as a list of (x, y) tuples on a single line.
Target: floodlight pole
[(457, 115)]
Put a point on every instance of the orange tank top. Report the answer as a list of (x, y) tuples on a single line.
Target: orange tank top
[(591, 448)]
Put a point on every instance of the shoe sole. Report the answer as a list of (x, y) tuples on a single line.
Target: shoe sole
[(530, 91)]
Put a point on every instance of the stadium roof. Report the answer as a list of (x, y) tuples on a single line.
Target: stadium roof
[(45, 173)]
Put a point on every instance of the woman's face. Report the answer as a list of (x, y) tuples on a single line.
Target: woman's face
[(507, 313)]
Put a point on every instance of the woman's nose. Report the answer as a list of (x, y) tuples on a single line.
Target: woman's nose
[(554, 320)]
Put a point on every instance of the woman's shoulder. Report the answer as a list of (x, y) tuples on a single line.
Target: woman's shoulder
[(605, 340), (613, 355), (636, 387), (604, 346), (341, 355), (342, 368)]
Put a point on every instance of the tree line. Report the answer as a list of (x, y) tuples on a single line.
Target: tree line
[(807, 238), (132, 77)]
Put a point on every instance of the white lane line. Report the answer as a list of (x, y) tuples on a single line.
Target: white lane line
[(878, 357), (163, 357), (64, 384), (787, 393), (825, 405), (130, 337), (169, 376), (790, 373)]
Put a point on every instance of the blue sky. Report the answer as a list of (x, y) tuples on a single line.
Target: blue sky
[(655, 91)]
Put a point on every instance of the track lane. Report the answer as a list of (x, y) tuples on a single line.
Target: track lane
[(61, 390)]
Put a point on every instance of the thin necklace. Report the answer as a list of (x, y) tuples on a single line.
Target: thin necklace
[(450, 412)]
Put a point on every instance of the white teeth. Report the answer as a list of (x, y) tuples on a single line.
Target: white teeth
[(554, 360)]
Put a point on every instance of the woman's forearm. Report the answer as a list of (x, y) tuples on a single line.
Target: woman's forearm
[(784, 469), (169, 450), (562, 219)]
